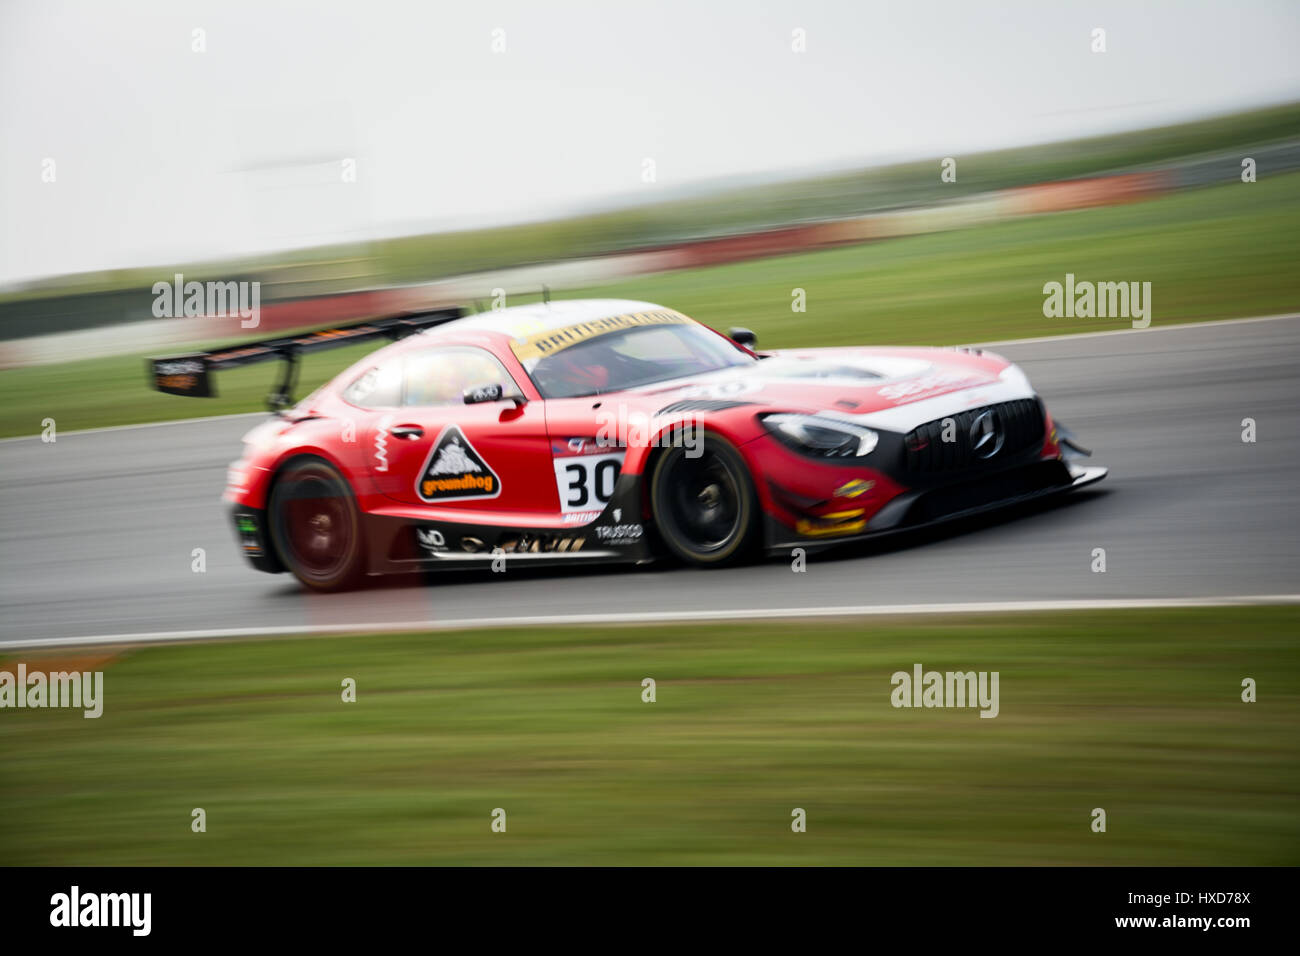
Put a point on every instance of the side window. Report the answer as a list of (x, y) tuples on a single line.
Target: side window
[(440, 376), (377, 387)]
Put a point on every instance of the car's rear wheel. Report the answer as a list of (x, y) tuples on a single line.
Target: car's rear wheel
[(316, 525), (704, 507)]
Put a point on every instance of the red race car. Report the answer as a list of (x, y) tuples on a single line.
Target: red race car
[(615, 431)]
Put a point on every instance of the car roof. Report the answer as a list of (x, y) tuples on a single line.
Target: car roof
[(518, 321)]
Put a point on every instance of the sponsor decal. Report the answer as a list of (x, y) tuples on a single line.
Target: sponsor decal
[(580, 517), (431, 539), (381, 443), (572, 447), (820, 371), (249, 539), (855, 488), (484, 393), (182, 375), (454, 471), (722, 390), (619, 533), (528, 543), (554, 340), (178, 367), (927, 385)]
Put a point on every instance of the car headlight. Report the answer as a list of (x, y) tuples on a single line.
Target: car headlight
[(820, 436)]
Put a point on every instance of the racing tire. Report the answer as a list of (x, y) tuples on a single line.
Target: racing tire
[(316, 526), (705, 508)]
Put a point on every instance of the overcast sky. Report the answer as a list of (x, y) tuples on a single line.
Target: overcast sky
[(163, 154)]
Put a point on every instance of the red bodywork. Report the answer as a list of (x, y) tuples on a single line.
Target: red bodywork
[(804, 499)]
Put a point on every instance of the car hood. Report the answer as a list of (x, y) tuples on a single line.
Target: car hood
[(871, 383)]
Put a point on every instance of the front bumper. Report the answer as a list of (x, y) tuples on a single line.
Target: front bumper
[(924, 508)]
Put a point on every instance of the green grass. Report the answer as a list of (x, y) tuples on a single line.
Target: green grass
[(1135, 712), (1211, 253), (741, 209), (1223, 252)]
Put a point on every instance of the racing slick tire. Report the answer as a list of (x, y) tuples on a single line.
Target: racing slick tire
[(315, 525), (705, 508)]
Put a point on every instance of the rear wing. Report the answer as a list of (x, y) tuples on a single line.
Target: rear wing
[(191, 374)]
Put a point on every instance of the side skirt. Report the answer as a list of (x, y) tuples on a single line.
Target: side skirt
[(620, 534)]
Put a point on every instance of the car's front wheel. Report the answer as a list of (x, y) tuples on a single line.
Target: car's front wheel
[(316, 526), (704, 505)]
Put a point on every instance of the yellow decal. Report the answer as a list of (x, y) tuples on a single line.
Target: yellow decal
[(554, 340), (854, 489), (836, 523)]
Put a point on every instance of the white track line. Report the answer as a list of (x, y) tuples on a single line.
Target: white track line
[(1211, 323), (1152, 328), (122, 428), (652, 617)]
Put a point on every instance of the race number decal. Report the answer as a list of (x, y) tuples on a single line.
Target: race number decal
[(586, 482)]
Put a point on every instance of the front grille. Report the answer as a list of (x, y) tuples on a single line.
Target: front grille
[(926, 453), (1004, 488)]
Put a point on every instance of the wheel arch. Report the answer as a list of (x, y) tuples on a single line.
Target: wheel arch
[(652, 455), (297, 456), (760, 529)]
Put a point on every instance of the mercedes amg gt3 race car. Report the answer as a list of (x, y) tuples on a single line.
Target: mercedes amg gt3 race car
[(615, 431)]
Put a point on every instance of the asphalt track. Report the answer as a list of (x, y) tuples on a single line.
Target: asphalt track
[(98, 528)]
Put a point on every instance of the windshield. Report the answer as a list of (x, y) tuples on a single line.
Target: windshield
[(627, 358)]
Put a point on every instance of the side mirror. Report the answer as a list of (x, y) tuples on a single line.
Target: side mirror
[(743, 337), (476, 394)]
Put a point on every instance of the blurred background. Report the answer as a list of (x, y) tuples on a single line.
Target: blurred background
[(361, 159)]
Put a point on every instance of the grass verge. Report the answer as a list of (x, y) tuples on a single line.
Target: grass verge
[(1137, 712)]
